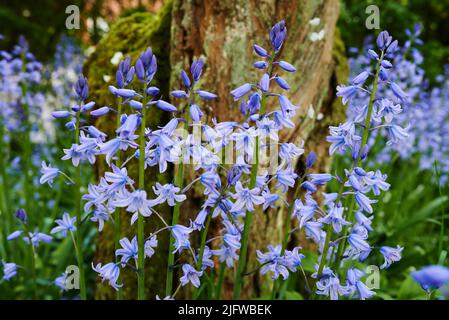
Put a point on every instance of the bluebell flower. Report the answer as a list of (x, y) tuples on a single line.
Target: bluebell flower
[(260, 65), (307, 185), (9, 270), (196, 69), (66, 224), (293, 258), (282, 83), (303, 212), (190, 274), (364, 202), (356, 286), (390, 255), (360, 78), (286, 66), (73, 154), (227, 254), (181, 235), (48, 174), (149, 246), (185, 79), (61, 282), (135, 202), (265, 82), (82, 88), (195, 113), (278, 34), (272, 261), (314, 230), (260, 51), (398, 92), (14, 235), (128, 250), (118, 179), (311, 158), (358, 244), (431, 277), (35, 238), (100, 112), (331, 287), (246, 198), (286, 179), (21, 215), (206, 95), (207, 261), (109, 272), (335, 217), (320, 178), (167, 193), (100, 215), (241, 91), (346, 92), (165, 106)]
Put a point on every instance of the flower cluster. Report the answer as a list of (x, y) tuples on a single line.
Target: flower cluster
[(235, 192)]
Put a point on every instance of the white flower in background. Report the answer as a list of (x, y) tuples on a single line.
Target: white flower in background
[(315, 21), (317, 36), (115, 60)]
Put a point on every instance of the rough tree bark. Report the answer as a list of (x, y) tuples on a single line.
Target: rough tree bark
[(222, 32)]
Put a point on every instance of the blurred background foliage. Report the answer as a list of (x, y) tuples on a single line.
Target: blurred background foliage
[(43, 21)]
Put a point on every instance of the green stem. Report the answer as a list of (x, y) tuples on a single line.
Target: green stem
[(79, 239), (241, 264), (441, 238), (364, 141), (179, 182), (117, 220), (202, 245), (287, 227), (4, 195), (221, 276), (140, 222)]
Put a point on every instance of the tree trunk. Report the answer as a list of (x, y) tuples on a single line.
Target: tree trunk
[(222, 32)]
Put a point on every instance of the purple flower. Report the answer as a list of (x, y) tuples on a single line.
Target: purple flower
[(241, 91), (181, 235), (48, 174), (277, 35), (9, 270), (431, 277), (390, 255), (196, 69), (246, 198), (109, 272), (190, 274), (66, 224), (165, 106)]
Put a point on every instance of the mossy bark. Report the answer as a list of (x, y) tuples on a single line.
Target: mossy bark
[(222, 32)]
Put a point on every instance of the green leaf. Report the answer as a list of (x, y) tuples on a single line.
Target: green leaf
[(293, 295)]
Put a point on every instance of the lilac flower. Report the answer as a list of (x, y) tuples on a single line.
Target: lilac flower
[(347, 92), (226, 254), (190, 274), (390, 255), (109, 272), (196, 69), (66, 224)]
